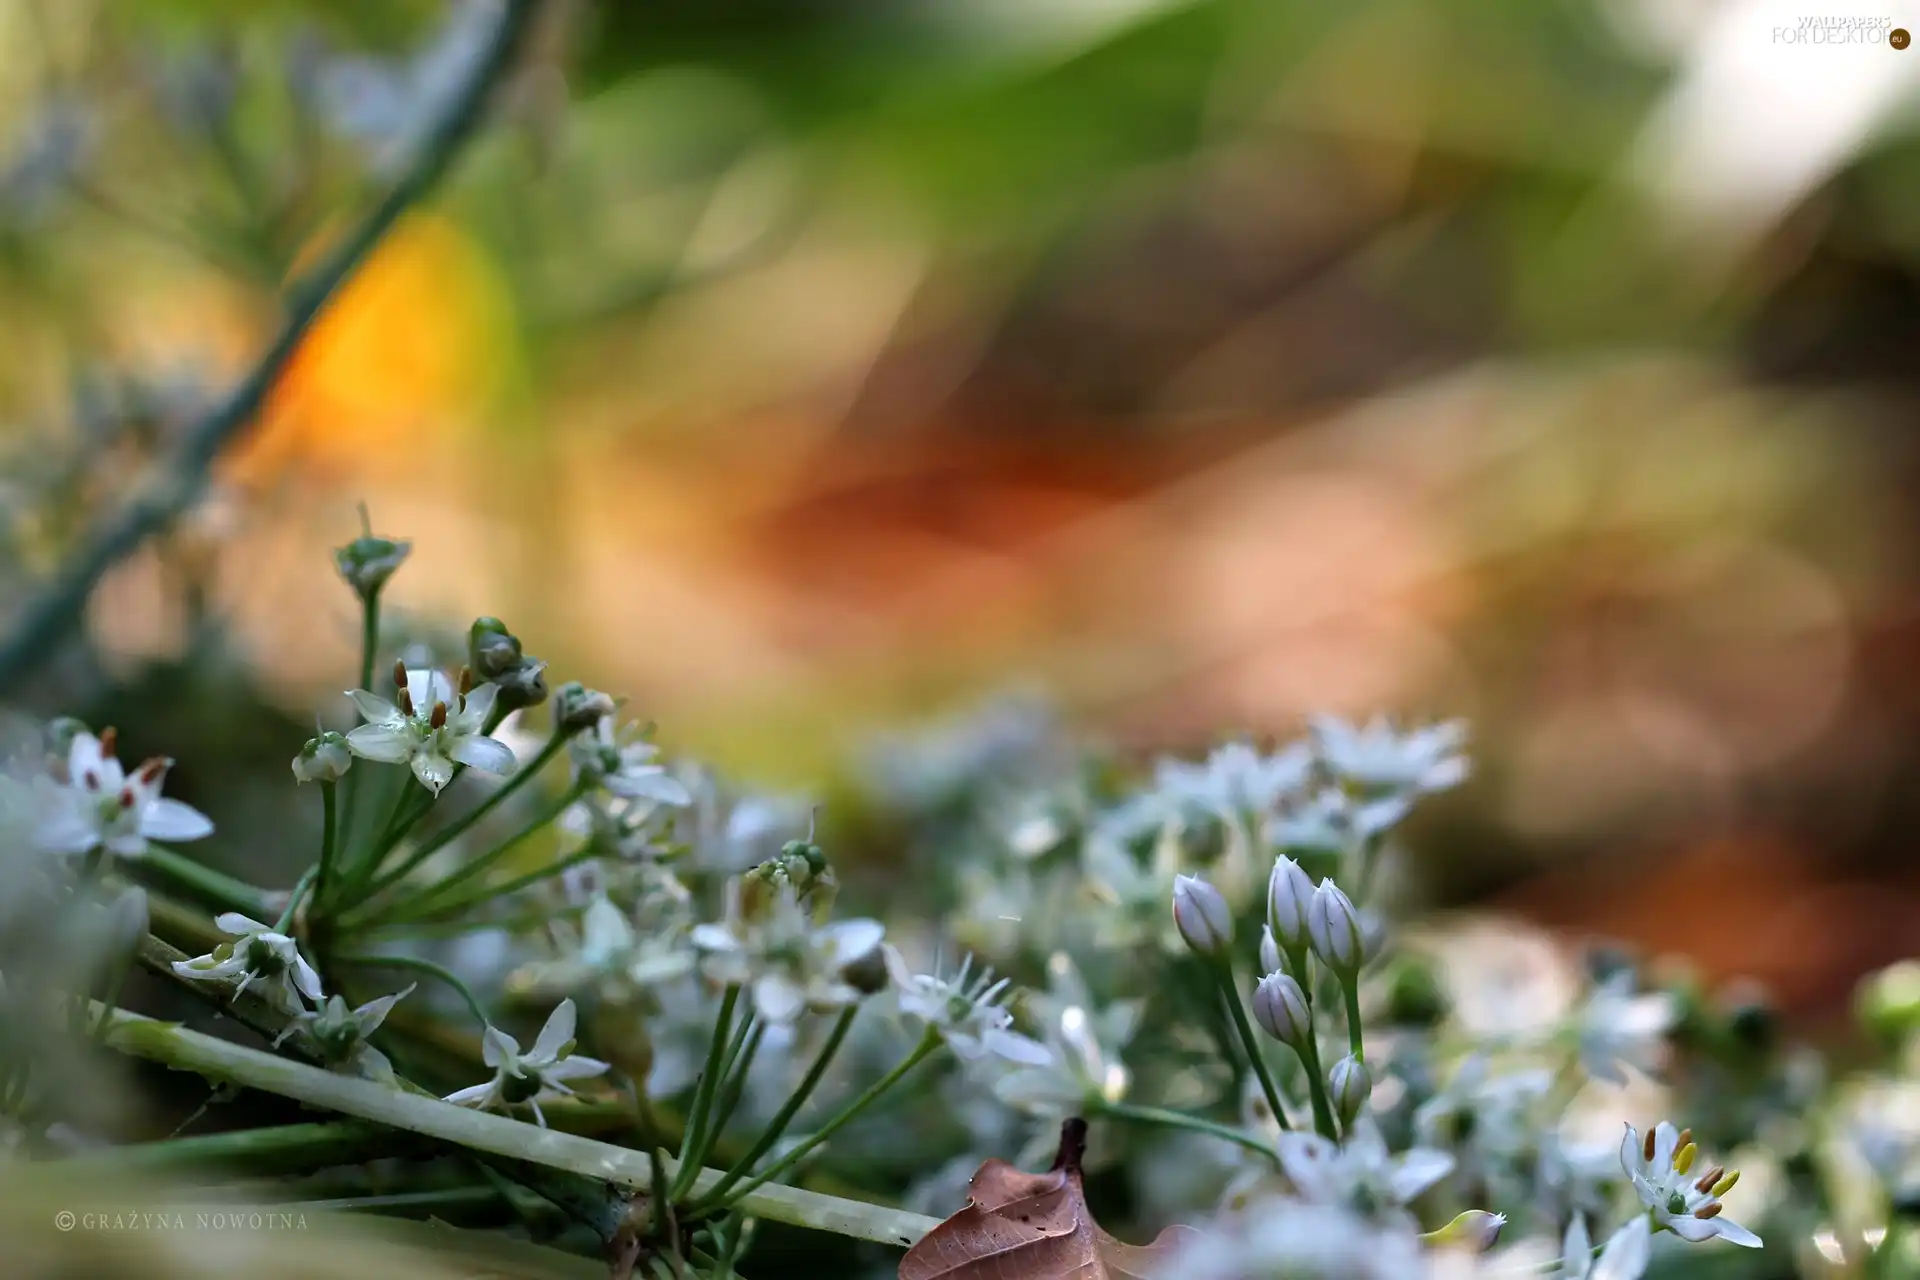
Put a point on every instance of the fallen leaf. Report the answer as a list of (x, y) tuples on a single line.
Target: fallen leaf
[(1035, 1226)]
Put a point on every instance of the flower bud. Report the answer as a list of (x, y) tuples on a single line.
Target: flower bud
[(60, 733), (324, 759), (866, 974), (1475, 1230), (1201, 916), (576, 707), (1349, 1085), (1288, 893), (1333, 928), (1280, 1007), (1271, 961), (368, 561), (494, 655)]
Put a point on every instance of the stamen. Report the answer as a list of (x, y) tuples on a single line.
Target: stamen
[(1727, 1183), (439, 717), (1686, 1136), (406, 701), (1646, 1148), (126, 797), (1706, 1211), (399, 674), (92, 780), (1712, 1176), (109, 739), (1683, 1158), (151, 770), (466, 681)]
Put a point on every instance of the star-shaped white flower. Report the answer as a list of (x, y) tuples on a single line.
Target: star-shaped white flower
[(101, 805), (625, 769), (1679, 1197), (964, 1008), (528, 1077), (1377, 757), (1620, 1028), (792, 963), (258, 953), (1624, 1257), (433, 728), (1361, 1174), (340, 1034)]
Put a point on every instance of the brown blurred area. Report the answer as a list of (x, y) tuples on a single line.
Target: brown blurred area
[(1206, 369)]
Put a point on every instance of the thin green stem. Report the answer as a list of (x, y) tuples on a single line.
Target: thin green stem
[(478, 1131), (928, 1043), (1356, 1035), (1317, 1085), (1180, 1120), (428, 967), (436, 912), (1223, 973), (46, 617), (369, 637), (693, 1140), (329, 841), (294, 899), (795, 1100), (218, 888), (738, 1065), (460, 826)]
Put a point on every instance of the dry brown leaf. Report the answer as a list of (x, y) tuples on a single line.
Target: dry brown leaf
[(1035, 1226)]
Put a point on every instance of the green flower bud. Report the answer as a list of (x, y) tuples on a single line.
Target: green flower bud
[(576, 707), (368, 561)]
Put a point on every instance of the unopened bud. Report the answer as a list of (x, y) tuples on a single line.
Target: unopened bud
[(866, 974), (1271, 961), (576, 707), (494, 655), (1289, 892), (1201, 916), (1333, 927), (1475, 1230), (368, 561), (1280, 1007), (324, 759), (1349, 1085)]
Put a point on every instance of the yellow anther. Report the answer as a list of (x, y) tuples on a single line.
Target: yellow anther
[(1683, 1158), (1726, 1184)]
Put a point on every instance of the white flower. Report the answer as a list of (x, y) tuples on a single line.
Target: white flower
[(259, 952), (793, 964), (1280, 1007), (341, 1034), (1662, 1171), (1084, 1044), (102, 806), (1332, 821), (325, 758), (433, 728), (624, 769), (1625, 1256), (1379, 758), (1289, 890), (1236, 778), (1361, 1174), (1620, 1028), (529, 1077), (611, 951), (964, 1009)]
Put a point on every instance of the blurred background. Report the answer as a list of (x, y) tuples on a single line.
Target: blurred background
[(801, 369)]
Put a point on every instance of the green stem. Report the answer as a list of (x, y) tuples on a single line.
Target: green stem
[(795, 1100), (426, 900), (369, 633), (1317, 1084), (1355, 1032), (1180, 1120), (218, 888), (441, 912), (428, 967), (1223, 973), (329, 840), (693, 1140), (224, 1061), (300, 887), (43, 620), (286, 1148), (736, 1077), (739, 1195), (454, 830)]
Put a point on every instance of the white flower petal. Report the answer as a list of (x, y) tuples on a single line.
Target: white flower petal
[(129, 844), (472, 1095), (779, 999), (305, 978), (497, 1048), (238, 925), (373, 708), (388, 743), (370, 1015), (172, 820), (487, 754), (1688, 1227), (848, 940), (479, 705), (1733, 1233), (573, 1067), (557, 1034), (83, 757), (1576, 1249), (1627, 1253), (433, 769), (1417, 1170)]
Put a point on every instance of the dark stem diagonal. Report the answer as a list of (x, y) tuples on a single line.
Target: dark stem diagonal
[(44, 619)]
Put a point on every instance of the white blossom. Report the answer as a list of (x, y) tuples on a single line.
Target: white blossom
[(341, 1034), (1624, 1257), (1360, 1174), (101, 805), (1377, 757), (1083, 1041), (773, 944), (624, 769), (964, 1009), (1619, 1028), (433, 728), (528, 1077), (1682, 1199), (259, 953)]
